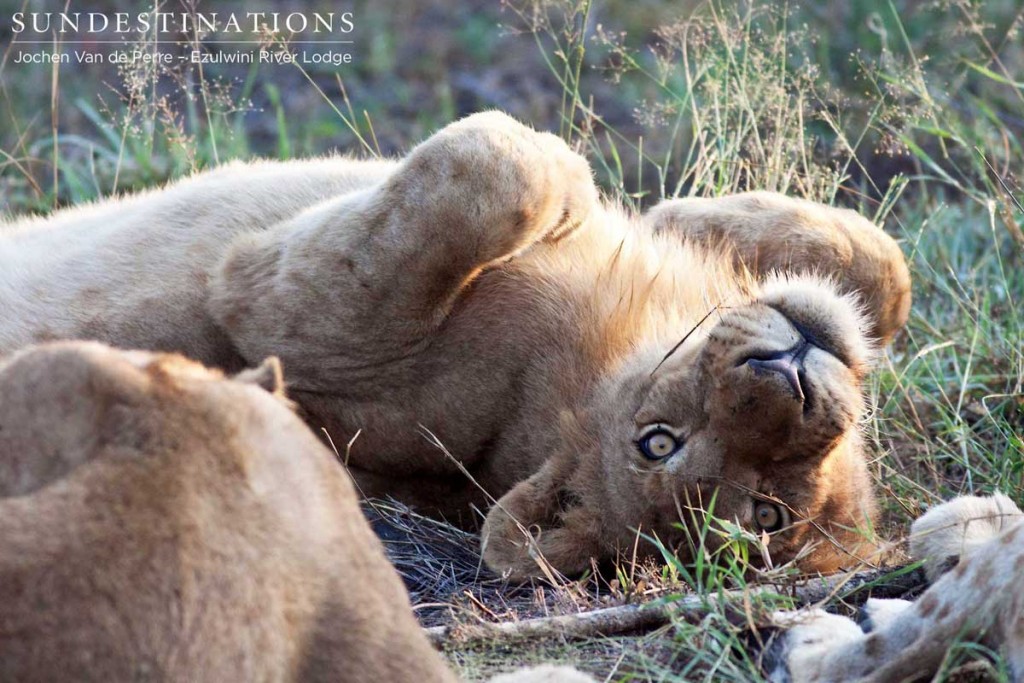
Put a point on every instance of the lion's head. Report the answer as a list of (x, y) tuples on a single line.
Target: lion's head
[(754, 417), (161, 520), (67, 403)]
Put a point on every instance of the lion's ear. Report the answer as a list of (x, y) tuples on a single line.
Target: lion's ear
[(543, 527), (267, 375)]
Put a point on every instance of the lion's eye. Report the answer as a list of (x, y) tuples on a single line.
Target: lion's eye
[(658, 444), (769, 516)]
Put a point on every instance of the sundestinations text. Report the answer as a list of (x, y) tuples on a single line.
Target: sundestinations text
[(42, 23)]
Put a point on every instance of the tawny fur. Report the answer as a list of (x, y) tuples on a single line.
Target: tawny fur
[(477, 294), (978, 600), (160, 522)]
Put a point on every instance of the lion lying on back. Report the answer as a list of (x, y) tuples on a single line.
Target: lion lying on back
[(159, 522), (478, 295)]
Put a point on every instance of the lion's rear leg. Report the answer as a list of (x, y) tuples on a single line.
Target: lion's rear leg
[(352, 294), (361, 282), (769, 232)]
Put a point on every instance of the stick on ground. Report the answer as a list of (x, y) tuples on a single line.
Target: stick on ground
[(632, 618)]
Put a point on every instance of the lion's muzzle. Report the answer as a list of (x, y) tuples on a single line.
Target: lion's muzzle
[(787, 364), (790, 364)]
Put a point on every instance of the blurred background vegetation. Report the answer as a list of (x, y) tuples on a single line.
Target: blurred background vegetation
[(910, 111), (865, 91)]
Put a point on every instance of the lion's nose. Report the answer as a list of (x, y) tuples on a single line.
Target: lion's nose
[(789, 364), (813, 332)]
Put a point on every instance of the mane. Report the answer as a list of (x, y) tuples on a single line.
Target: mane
[(637, 290)]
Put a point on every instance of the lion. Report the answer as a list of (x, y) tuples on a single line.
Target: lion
[(478, 329), (973, 553), (162, 522)]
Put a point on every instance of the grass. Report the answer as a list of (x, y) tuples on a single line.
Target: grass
[(911, 114)]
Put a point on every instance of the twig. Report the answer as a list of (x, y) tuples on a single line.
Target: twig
[(633, 618)]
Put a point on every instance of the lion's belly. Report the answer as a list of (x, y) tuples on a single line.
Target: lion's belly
[(133, 271), (128, 287), (477, 412)]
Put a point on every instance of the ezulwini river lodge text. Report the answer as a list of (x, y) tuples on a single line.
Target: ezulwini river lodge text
[(332, 57)]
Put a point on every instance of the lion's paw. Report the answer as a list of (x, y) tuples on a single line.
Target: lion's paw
[(517, 185), (878, 613), (546, 673), (797, 655), (954, 530)]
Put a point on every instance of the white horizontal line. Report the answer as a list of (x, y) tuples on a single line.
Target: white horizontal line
[(178, 42)]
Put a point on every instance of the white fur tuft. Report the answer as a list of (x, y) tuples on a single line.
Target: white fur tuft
[(959, 527), (546, 673)]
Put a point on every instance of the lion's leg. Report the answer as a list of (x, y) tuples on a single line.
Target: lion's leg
[(978, 600), (362, 281), (960, 607), (1015, 652), (354, 294), (769, 232)]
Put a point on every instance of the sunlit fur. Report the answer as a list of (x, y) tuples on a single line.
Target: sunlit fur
[(472, 323)]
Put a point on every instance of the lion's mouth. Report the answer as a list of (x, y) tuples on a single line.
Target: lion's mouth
[(787, 371)]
